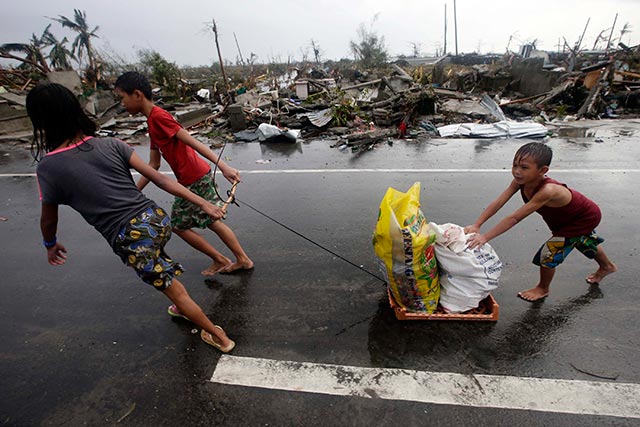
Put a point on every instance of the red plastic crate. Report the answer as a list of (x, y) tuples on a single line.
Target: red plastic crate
[(488, 310)]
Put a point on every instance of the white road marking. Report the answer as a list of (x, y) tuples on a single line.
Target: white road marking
[(428, 171), (329, 171), (488, 391)]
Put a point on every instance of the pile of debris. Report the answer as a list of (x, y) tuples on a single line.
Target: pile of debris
[(461, 96)]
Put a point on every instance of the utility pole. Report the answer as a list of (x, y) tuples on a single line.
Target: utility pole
[(445, 30), (455, 24), (239, 52), (224, 75), (583, 33), (611, 33)]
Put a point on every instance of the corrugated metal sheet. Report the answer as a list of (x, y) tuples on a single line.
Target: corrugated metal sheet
[(319, 118)]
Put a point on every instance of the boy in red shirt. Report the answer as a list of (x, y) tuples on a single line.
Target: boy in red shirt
[(169, 140), (571, 216)]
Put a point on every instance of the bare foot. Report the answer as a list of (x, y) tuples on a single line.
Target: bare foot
[(216, 267), (237, 267), (533, 294), (595, 278)]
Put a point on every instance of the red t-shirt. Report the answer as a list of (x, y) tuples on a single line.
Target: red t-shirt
[(185, 162), (578, 218)]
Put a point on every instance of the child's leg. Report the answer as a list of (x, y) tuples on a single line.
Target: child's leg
[(200, 243), (243, 262), (542, 289), (179, 296), (551, 254), (606, 267)]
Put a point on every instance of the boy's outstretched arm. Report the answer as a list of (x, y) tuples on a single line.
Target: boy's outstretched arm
[(172, 186), (228, 172), (493, 208), (540, 199), (155, 159), (49, 226)]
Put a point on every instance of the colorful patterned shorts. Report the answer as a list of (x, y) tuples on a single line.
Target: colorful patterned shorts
[(140, 245), (186, 215), (554, 251)]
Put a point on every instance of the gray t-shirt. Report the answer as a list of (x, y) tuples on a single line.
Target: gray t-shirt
[(93, 178)]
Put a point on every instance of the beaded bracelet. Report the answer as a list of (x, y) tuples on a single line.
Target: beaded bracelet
[(50, 244)]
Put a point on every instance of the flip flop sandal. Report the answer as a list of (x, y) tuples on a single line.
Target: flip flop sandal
[(174, 312), (206, 337)]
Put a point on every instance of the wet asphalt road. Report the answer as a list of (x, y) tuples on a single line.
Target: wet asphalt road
[(88, 344)]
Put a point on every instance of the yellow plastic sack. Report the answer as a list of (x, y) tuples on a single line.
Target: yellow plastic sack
[(404, 246)]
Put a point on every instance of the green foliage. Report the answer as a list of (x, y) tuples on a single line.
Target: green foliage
[(34, 57), (561, 111), (82, 44), (343, 113), (163, 72), (370, 49), (214, 133), (59, 56), (316, 97), (31, 56)]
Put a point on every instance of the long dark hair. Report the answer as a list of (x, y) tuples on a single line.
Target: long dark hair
[(57, 117)]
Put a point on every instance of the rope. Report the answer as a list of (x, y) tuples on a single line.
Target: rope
[(232, 199), (310, 240)]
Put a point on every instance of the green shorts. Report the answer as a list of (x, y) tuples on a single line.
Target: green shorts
[(140, 245), (555, 250), (186, 215)]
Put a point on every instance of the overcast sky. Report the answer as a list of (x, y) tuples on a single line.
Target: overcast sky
[(276, 29)]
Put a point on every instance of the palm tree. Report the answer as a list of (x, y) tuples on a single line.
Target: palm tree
[(32, 51), (59, 55), (82, 43)]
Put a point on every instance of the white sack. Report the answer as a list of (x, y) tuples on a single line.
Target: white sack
[(467, 276), (267, 131), (204, 94)]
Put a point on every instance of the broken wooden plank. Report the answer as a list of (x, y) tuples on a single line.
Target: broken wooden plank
[(628, 74), (589, 106), (450, 93), (402, 72), (388, 84), (556, 91), (368, 137), (521, 100)]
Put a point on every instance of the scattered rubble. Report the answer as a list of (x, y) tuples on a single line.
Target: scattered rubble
[(475, 96)]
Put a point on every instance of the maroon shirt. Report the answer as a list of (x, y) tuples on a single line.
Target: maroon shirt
[(578, 218)]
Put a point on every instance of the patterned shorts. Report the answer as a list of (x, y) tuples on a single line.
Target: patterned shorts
[(140, 245), (186, 215), (556, 249)]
